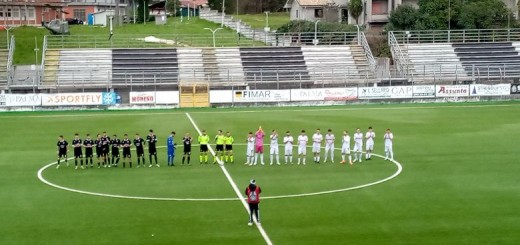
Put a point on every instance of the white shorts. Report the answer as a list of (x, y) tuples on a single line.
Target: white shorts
[(274, 150), (345, 149), (329, 147), (250, 151), (316, 147), (302, 150), (370, 145), (388, 148), (358, 147), (288, 151)]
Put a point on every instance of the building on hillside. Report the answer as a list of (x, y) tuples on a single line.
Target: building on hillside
[(375, 12), (34, 12), (158, 7)]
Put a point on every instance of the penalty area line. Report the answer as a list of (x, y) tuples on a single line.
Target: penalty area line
[(232, 183)]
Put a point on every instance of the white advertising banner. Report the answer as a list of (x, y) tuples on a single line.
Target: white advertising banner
[(451, 90), (167, 97), (393, 92), (324, 94), (75, 99), (262, 95), (423, 91), (220, 96), (142, 98), (20, 100), (489, 90)]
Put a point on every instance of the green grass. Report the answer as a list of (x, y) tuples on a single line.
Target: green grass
[(257, 21), (459, 183), (187, 33)]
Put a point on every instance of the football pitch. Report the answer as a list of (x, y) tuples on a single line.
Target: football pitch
[(458, 183)]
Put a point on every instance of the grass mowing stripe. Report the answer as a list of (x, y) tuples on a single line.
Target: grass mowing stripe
[(273, 109), (233, 184)]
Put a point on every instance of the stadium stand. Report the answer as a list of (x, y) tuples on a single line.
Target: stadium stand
[(274, 64), (77, 67), (433, 59), (219, 66), (336, 62), (142, 66), (496, 59), (4, 53), (457, 55)]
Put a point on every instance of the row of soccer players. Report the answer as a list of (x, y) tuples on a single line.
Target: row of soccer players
[(103, 144), (255, 146)]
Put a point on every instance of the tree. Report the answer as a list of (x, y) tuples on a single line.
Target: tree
[(142, 13), (172, 7), (404, 17), (484, 14), (355, 9)]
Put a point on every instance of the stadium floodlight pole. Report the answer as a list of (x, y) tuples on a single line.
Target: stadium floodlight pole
[(223, 8), (145, 6), (213, 31)]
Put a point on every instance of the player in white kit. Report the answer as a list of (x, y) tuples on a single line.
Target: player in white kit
[(389, 141), (345, 147), (274, 148), (358, 145), (302, 147), (288, 141), (317, 138), (250, 152), (370, 136), (329, 146)]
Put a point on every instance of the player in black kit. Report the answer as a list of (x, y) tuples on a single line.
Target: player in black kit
[(78, 154), (126, 143), (105, 149), (139, 149), (151, 139), (186, 141), (99, 150), (88, 143), (62, 150), (116, 143)]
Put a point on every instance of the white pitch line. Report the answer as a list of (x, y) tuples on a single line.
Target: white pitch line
[(45, 181), (280, 109), (233, 184)]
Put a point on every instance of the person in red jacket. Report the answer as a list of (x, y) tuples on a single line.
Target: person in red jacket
[(253, 199)]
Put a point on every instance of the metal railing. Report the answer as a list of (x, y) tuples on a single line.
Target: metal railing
[(456, 36), (397, 54), (10, 56), (368, 52), (44, 52), (195, 40)]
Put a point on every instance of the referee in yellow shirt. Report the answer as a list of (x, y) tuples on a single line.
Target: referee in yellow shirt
[(228, 144), (203, 142)]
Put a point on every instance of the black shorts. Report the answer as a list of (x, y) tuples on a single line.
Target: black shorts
[(253, 206), (115, 152), (99, 151), (220, 147), (152, 150), (229, 147), (126, 153), (88, 152), (105, 151), (203, 148), (77, 152), (62, 153), (187, 151), (139, 152)]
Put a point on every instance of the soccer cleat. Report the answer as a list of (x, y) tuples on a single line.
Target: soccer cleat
[(386, 158), (57, 166), (82, 167), (158, 165), (250, 224), (342, 162), (150, 165), (76, 167)]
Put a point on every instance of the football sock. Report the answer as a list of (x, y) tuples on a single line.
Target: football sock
[(232, 158), (138, 161), (200, 158), (262, 158), (75, 162), (206, 158), (256, 158), (183, 158), (286, 157), (189, 159), (271, 159), (349, 158), (155, 156), (278, 159), (342, 157), (150, 156)]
